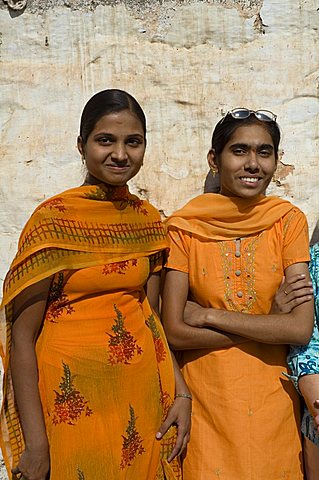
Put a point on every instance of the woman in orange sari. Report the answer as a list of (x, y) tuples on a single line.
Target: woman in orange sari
[(90, 389), (228, 254)]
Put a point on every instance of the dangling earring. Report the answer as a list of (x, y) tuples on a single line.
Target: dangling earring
[(83, 160), (214, 171)]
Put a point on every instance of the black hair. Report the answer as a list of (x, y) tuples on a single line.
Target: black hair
[(105, 102), (227, 126)]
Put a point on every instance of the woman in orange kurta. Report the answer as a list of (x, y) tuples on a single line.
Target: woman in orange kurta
[(92, 373), (228, 255)]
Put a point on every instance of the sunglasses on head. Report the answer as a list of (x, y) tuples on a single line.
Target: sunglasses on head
[(243, 113)]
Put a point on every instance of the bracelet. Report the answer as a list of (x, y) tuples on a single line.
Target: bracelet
[(184, 395)]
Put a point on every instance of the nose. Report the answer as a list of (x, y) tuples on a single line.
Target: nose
[(252, 161), (119, 152)]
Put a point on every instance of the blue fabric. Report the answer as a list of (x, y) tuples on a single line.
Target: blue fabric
[(304, 359)]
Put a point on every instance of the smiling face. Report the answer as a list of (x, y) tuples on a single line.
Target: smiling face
[(115, 149), (247, 163)]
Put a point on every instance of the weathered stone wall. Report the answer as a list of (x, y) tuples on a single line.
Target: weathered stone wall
[(187, 62)]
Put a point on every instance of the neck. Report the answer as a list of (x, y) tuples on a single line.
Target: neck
[(91, 180)]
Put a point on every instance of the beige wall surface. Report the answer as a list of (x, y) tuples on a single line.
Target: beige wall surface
[(187, 62)]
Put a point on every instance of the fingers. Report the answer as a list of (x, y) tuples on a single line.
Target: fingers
[(162, 430), (179, 415), (297, 283), (169, 421), (299, 300), (181, 443), (299, 290), (294, 279), (294, 292)]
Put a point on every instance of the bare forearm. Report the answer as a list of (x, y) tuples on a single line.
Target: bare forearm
[(185, 337), (25, 382), (273, 328), (177, 312), (180, 384), (309, 387)]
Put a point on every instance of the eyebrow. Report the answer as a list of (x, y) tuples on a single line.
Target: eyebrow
[(246, 145), (113, 135)]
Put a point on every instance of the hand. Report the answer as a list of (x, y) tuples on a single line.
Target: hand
[(179, 414), (33, 465), (291, 293), (194, 314)]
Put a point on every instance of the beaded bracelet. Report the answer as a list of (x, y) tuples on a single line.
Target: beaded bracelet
[(184, 395)]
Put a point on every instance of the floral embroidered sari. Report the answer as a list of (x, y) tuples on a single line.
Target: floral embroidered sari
[(106, 379)]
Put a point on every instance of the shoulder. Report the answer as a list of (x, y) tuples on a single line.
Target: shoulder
[(291, 214), (145, 208), (60, 200)]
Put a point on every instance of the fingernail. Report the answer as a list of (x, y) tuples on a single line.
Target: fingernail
[(158, 435), (302, 275)]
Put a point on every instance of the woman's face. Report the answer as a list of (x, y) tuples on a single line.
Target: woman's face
[(247, 162), (115, 148)]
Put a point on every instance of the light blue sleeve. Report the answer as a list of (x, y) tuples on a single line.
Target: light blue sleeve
[(304, 359)]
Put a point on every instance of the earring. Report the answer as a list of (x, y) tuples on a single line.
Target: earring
[(214, 171), (83, 160)]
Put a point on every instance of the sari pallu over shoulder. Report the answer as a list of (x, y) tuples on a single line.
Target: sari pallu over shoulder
[(82, 227)]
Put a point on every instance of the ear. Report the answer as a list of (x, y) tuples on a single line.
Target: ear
[(212, 161), (80, 146)]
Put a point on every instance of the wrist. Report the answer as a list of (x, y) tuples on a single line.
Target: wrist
[(39, 445), (208, 318), (187, 396)]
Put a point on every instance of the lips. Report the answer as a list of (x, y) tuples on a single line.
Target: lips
[(117, 167), (251, 180)]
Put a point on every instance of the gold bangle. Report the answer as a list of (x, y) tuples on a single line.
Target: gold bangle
[(184, 395)]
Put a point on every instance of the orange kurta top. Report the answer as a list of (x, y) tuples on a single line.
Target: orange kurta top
[(106, 378), (245, 423)]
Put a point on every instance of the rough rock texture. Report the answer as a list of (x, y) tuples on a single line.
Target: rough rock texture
[(187, 62)]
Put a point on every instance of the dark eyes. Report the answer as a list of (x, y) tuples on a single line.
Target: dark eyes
[(243, 151), (264, 153), (239, 151), (133, 141), (104, 140)]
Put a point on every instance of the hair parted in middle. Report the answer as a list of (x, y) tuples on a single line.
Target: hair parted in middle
[(105, 102)]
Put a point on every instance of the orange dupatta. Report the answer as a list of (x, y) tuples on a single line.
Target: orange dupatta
[(82, 227), (217, 217)]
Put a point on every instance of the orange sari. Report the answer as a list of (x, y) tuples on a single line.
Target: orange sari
[(246, 418), (106, 379)]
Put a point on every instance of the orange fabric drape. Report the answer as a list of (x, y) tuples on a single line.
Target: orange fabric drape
[(106, 378), (217, 217), (245, 422)]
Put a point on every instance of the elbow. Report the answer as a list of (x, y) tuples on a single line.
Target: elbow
[(302, 338), (174, 342), (174, 339)]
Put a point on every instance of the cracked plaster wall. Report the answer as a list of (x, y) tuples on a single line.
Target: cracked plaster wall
[(187, 62)]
